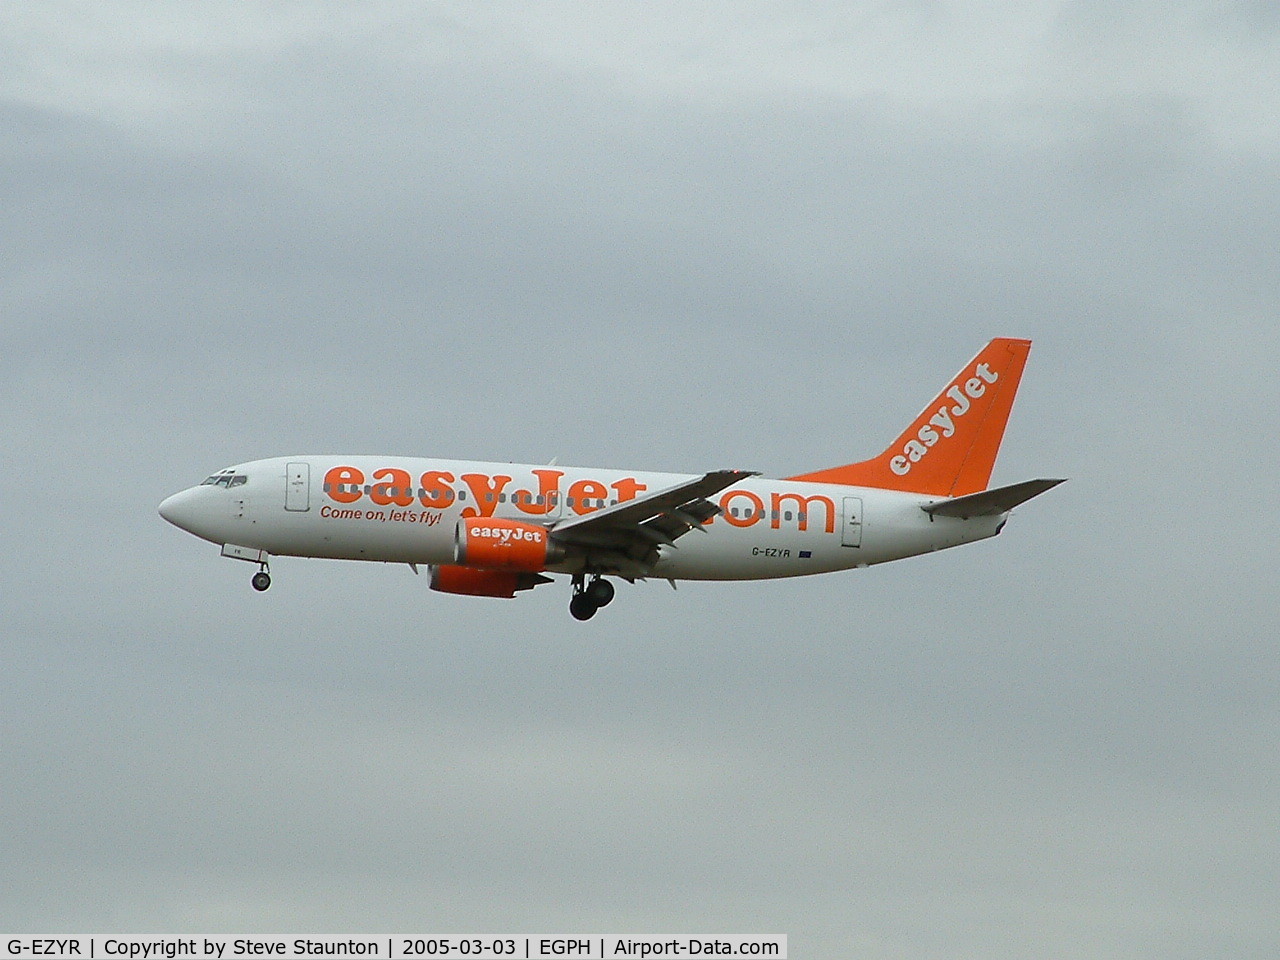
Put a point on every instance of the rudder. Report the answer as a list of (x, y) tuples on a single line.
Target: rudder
[(950, 449)]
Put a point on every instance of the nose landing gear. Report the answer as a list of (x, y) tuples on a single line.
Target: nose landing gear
[(589, 597), (261, 580)]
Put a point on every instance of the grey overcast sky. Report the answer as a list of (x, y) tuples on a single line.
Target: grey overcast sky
[(675, 236)]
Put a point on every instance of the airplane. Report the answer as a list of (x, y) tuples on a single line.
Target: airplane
[(495, 529)]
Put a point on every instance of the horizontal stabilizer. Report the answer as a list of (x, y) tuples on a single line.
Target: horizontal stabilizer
[(989, 503)]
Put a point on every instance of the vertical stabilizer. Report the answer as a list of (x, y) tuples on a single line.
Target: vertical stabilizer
[(950, 449)]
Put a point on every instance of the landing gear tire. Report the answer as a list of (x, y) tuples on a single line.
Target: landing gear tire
[(582, 607), (600, 591), (261, 580)]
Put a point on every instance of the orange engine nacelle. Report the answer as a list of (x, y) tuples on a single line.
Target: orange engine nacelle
[(475, 583), (492, 543)]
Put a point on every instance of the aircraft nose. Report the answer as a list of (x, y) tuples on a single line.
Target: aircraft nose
[(179, 509)]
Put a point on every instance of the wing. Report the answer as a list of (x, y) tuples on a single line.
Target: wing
[(624, 538)]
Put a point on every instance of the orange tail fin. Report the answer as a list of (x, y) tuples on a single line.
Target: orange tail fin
[(951, 447)]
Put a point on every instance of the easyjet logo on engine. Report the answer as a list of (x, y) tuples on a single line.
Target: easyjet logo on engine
[(508, 534), (943, 423), (503, 545)]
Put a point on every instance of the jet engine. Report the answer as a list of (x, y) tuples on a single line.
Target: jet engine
[(492, 543), (482, 583)]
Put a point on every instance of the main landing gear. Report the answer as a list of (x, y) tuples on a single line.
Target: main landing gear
[(261, 580), (589, 597)]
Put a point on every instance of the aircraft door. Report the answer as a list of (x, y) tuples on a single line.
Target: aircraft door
[(851, 535), (555, 501), (297, 487)]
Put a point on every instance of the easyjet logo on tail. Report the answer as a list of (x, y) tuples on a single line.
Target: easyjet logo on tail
[(944, 420), (949, 450)]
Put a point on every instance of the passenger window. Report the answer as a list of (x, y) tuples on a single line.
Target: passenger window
[(787, 515)]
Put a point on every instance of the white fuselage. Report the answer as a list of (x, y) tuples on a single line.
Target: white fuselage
[(406, 510)]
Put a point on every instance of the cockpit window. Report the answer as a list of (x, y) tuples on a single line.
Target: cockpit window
[(226, 478)]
